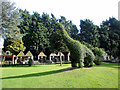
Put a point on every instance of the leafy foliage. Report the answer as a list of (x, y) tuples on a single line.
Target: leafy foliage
[(9, 20), (89, 32), (110, 36), (78, 51), (36, 33), (14, 46), (106, 36), (99, 55)]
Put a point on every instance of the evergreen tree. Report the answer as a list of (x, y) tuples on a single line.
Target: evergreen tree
[(37, 34), (9, 20), (26, 28), (67, 24), (111, 36), (74, 32), (104, 38), (89, 33)]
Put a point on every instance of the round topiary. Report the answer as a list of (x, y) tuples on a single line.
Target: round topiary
[(78, 51)]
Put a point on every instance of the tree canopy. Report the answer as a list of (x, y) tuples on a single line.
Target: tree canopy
[(40, 32), (9, 20)]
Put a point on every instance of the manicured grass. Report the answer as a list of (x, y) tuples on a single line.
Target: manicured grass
[(55, 76)]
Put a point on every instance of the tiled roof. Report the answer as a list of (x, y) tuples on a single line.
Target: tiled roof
[(29, 54), (53, 54), (41, 54), (21, 54), (60, 54)]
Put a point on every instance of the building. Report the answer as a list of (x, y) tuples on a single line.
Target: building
[(1, 44)]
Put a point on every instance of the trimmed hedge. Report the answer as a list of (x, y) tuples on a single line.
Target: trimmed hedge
[(78, 51)]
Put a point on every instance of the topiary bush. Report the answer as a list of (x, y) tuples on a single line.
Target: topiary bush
[(78, 51), (98, 52), (98, 60), (99, 55), (30, 62)]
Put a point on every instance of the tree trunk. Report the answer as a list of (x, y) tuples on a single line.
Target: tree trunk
[(60, 61), (4, 60)]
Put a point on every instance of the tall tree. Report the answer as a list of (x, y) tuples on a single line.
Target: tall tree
[(74, 32), (54, 22), (37, 33), (104, 38), (9, 20), (113, 36), (25, 28), (66, 23), (89, 32)]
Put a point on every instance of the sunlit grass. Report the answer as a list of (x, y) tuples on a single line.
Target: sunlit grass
[(55, 76)]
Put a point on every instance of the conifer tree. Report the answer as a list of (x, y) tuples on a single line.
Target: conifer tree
[(9, 20)]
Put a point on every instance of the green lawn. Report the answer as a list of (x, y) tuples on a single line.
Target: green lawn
[(55, 76)]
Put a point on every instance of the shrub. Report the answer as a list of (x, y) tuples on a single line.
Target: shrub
[(18, 60), (98, 60), (99, 55), (88, 45), (30, 62), (88, 62)]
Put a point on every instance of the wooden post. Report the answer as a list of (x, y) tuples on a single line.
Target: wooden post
[(68, 58), (3, 60), (13, 59), (60, 59), (50, 58)]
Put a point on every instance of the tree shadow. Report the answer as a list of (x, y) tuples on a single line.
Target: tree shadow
[(14, 65), (114, 65), (109, 65), (39, 74)]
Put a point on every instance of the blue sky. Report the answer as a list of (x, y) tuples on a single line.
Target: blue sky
[(75, 10)]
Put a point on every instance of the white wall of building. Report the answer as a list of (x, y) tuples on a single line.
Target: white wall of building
[(1, 44)]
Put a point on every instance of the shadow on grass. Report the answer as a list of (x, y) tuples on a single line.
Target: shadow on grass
[(20, 66), (39, 74), (14, 65), (111, 65)]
